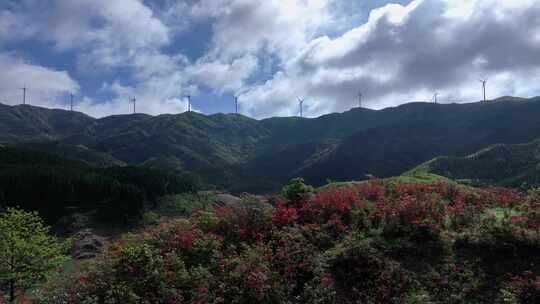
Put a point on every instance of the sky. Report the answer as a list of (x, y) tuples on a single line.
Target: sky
[(268, 53)]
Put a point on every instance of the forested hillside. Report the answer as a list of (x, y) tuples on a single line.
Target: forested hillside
[(504, 165), (56, 187), (243, 154)]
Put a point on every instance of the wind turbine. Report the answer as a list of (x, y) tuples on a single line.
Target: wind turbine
[(24, 94), (301, 102), (134, 101), (360, 99), (71, 102), (484, 86), (189, 102), (435, 97), (236, 104)]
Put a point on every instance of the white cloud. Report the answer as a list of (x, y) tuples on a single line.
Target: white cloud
[(108, 36), (46, 86), (406, 53), (105, 33), (223, 76), (319, 49)]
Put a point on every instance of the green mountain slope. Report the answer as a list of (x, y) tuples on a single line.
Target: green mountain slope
[(241, 153), (503, 165), (28, 123), (75, 152), (424, 131), (55, 186)]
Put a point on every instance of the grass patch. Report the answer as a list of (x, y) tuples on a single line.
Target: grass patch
[(184, 204), (500, 213), (70, 266)]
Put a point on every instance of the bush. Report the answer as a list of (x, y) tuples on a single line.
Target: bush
[(248, 221), (183, 204), (494, 237), (296, 192), (150, 218), (523, 288), (374, 242), (361, 274)]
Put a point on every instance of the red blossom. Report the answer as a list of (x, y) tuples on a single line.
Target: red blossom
[(284, 216), (371, 191), (326, 280), (82, 280)]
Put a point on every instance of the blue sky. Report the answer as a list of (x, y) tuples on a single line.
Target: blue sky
[(270, 52)]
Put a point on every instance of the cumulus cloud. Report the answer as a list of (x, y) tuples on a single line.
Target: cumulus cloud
[(48, 86), (107, 36), (276, 50), (105, 33), (223, 76), (406, 53)]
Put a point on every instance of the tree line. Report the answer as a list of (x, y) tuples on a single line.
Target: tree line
[(53, 186)]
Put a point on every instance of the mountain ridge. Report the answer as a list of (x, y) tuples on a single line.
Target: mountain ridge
[(240, 153)]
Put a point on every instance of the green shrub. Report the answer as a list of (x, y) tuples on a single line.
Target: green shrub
[(296, 192), (362, 274), (183, 204), (150, 218)]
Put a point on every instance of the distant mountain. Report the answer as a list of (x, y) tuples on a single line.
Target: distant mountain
[(501, 165), (240, 153), (28, 123)]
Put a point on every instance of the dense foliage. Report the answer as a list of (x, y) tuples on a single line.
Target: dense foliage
[(374, 242), (503, 165), (54, 186), (243, 154), (28, 253)]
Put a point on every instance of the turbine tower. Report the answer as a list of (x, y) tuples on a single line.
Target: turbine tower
[(24, 94), (71, 102), (189, 102), (134, 101), (301, 102), (435, 98), (484, 86), (360, 99), (236, 104)]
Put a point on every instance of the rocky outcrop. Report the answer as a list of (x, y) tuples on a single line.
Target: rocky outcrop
[(87, 245), (225, 199)]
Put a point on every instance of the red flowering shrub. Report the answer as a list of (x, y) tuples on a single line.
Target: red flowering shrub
[(411, 215), (293, 257), (335, 201), (249, 221), (523, 288), (463, 210), (331, 203), (249, 278), (500, 197), (283, 216), (373, 242), (506, 238), (418, 190), (456, 283), (363, 275)]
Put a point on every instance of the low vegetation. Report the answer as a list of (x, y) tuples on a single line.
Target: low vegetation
[(372, 242), (515, 166), (56, 187)]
